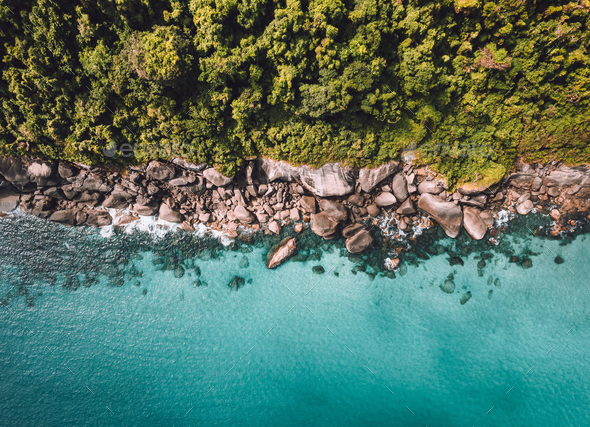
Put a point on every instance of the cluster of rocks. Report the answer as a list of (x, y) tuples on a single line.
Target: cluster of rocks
[(266, 195)]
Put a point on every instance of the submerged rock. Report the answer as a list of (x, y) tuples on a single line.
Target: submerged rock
[(178, 272), (244, 262), (466, 297), (236, 283), (559, 260), (527, 263), (448, 286), (455, 260), (318, 269), (282, 251)]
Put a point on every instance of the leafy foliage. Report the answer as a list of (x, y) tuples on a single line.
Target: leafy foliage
[(314, 81)]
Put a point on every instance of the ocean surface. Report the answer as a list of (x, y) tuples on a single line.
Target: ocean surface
[(117, 328)]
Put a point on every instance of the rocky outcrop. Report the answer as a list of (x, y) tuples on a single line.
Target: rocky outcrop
[(447, 214), (160, 171), (166, 213), (473, 223), (215, 178), (282, 251), (369, 178), (359, 242)]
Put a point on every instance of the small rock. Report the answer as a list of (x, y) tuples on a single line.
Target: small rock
[(385, 199), (373, 210), (318, 269), (526, 263), (244, 262), (279, 253), (455, 260), (274, 227), (555, 214), (448, 286), (466, 297), (298, 227), (178, 272), (236, 283), (525, 208), (559, 260)]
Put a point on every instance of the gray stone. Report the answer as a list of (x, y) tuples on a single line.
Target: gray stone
[(160, 171), (431, 187), (370, 178), (385, 199), (447, 214), (274, 227), (373, 210), (65, 216)]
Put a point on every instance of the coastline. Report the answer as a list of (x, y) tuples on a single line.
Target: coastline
[(367, 207)]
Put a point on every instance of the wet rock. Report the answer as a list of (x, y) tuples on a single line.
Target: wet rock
[(466, 297), (99, 218), (369, 178), (399, 187), (487, 218), (8, 201), (447, 214), (334, 209), (360, 242), (448, 286), (204, 217), (236, 283), (148, 209), (323, 225), (356, 199), (553, 191), (178, 272), (525, 208), (298, 228), (555, 214), (385, 199), (473, 223), (481, 264), (166, 213), (64, 216), (281, 252), (318, 269), (559, 260)]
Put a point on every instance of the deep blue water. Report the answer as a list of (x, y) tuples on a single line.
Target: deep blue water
[(290, 347)]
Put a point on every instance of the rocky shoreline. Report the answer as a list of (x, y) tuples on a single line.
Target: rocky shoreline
[(267, 195)]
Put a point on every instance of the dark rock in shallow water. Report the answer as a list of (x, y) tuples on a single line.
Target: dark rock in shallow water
[(559, 260), (514, 259), (527, 263), (481, 264), (144, 291), (466, 297), (236, 283), (178, 272), (318, 269), (455, 260), (197, 271)]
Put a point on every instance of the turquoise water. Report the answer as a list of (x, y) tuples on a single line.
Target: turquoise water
[(290, 347)]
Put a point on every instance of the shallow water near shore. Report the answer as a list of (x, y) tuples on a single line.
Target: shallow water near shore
[(290, 346)]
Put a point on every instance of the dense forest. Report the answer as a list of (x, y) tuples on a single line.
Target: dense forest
[(467, 84)]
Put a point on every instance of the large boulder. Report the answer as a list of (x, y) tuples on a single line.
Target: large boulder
[(369, 178), (360, 242), (160, 171), (40, 170), (406, 208), (351, 230), (323, 225), (168, 214), (447, 214), (14, 170), (565, 176), (282, 251), (385, 199), (308, 204), (334, 209), (399, 186), (432, 187), (65, 216), (328, 180), (215, 178), (146, 209), (8, 201), (525, 207), (244, 215), (473, 223)]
